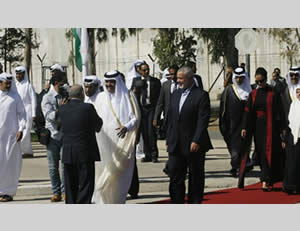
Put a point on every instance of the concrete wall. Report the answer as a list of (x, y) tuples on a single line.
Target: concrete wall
[(115, 54)]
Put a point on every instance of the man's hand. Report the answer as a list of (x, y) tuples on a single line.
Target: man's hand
[(64, 101), (34, 118), (19, 136), (122, 132), (243, 133), (155, 123), (194, 147), (283, 144)]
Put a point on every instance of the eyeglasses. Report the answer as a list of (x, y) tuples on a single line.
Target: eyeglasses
[(145, 70), (260, 81)]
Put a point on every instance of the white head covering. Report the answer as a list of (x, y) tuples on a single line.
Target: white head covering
[(294, 118), (90, 79), (22, 69), (56, 67), (120, 99), (24, 85), (165, 76), (291, 86), (132, 73), (7, 76), (245, 88)]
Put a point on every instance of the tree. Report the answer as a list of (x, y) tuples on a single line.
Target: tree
[(173, 46), (290, 38), (71, 58), (220, 43), (11, 44), (92, 55), (31, 42), (123, 33)]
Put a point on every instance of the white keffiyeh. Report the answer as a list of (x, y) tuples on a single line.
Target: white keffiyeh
[(245, 88), (294, 118)]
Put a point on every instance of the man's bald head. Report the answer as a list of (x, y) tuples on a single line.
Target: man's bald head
[(76, 92)]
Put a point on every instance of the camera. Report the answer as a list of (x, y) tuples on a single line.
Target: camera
[(64, 91)]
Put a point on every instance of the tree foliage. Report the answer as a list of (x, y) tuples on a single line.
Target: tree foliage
[(31, 42), (173, 46), (290, 38), (12, 42), (220, 43), (124, 33)]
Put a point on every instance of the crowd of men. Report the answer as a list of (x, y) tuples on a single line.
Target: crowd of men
[(93, 131)]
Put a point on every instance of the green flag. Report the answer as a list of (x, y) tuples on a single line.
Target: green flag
[(78, 58)]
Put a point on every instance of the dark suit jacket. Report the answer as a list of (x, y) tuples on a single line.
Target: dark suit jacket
[(163, 101), (139, 85), (191, 124), (199, 80), (79, 121)]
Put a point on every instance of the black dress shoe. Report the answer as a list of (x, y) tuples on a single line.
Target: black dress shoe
[(233, 172), (27, 155), (166, 171), (134, 196), (145, 159), (249, 168), (154, 160)]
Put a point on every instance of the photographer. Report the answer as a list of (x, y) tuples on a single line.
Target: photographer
[(56, 97)]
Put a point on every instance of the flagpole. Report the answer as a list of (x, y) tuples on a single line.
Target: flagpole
[(84, 70), (84, 49)]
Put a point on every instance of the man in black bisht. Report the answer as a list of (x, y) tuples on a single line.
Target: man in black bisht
[(232, 105)]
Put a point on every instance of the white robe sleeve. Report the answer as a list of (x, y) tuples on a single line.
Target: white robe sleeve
[(132, 122), (33, 100), (21, 113)]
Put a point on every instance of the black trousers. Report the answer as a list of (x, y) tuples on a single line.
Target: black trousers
[(79, 182), (149, 133), (178, 165), (135, 184)]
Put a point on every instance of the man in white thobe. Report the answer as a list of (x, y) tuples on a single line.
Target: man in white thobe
[(119, 111), (91, 85), (28, 96), (12, 124)]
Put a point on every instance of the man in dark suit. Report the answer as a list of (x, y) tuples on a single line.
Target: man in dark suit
[(79, 122), (166, 90), (197, 78), (147, 89), (187, 138), (163, 103)]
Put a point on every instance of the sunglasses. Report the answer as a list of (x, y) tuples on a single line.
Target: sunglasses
[(260, 81)]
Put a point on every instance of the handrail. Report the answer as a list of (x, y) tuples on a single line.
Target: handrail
[(223, 69)]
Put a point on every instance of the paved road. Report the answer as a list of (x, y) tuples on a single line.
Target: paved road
[(34, 185)]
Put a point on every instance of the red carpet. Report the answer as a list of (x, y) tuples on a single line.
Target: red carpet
[(251, 194)]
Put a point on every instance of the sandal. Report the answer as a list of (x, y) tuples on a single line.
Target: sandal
[(6, 198)]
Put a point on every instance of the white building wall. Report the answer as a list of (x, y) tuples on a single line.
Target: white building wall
[(54, 43)]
